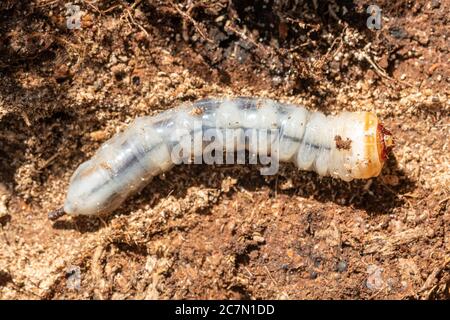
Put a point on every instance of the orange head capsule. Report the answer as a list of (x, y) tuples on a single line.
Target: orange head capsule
[(385, 142)]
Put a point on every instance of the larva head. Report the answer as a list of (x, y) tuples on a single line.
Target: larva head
[(385, 142), (371, 144)]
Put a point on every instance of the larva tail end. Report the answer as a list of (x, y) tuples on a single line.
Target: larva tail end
[(385, 142), (56, 214)]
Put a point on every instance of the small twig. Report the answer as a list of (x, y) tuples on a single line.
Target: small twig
[(399, 196), (111, 8), (270, 276), (324, 58), (137, 24), (48, 161), (49, 3), (242, 35), (381, 72), (248, 271), (134, 5), (433, 275), (26, 119), (265, 51), (376, 293), (191, 20), (93, 7)]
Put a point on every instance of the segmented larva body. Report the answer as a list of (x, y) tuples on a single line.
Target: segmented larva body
[(351, 145)]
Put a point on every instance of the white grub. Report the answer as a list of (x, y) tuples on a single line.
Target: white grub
[(269, 130)]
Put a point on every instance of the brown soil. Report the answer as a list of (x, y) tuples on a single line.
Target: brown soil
[(224, 231)]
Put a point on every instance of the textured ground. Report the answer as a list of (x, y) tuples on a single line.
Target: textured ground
[(224, 231)]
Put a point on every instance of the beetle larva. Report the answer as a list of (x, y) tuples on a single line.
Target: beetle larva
[(351, 145)]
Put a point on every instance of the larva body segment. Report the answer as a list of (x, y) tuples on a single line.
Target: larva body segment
[(346, 146)]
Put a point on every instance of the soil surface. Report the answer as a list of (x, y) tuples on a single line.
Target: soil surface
[(224, 231)]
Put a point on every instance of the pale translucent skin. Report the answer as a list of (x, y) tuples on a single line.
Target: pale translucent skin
[(126, 163)]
